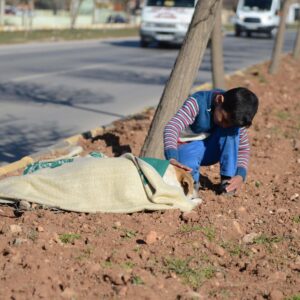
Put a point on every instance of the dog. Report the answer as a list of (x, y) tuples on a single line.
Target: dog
[(178, 177)]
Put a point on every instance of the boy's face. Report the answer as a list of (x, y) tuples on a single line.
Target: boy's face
[(221, 117)]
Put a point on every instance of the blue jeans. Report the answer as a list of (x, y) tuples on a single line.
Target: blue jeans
[(221, 146)]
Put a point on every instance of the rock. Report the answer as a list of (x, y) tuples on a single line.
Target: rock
[(190, 216), (215, 249), (117, 224), (24, 205), (15, 228), (191, 295), (219, 250), (242, 209), (19, 241), (281, 210), (249, 238), (40, 229), (276, 295), (237, 227), (151, 237), (278, 276), (114, 277), (68, 293), (122, 291), (297, 145), (294, 197)]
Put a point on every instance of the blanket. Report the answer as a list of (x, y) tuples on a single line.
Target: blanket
[(91, 184)]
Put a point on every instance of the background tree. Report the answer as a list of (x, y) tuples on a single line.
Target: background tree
[(217, 63), (278, 45), (296, 50), (74, 10), (183, 74), (2, 12)]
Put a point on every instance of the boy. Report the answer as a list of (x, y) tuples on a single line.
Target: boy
[(210, 127)]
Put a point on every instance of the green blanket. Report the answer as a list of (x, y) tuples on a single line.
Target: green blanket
[(92, 184)]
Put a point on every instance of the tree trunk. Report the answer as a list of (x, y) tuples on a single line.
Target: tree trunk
[(2, 12), (183, 74), (296, 51), (30, 14), (74, 10), (94, 11), (278, 45), (217, 63)]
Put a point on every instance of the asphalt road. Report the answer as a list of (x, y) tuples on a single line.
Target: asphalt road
[(51, 91)]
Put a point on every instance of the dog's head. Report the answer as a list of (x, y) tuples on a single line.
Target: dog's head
[(178, 177)]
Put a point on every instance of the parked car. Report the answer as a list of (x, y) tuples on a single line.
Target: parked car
[(165, 21), (257, 16)]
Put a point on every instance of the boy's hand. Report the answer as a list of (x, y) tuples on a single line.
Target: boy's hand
[(235, 183), (174, 162)]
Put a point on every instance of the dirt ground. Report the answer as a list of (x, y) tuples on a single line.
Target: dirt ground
[(245, 246)]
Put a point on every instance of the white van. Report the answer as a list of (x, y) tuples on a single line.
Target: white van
[(257, 16), (165, 21)]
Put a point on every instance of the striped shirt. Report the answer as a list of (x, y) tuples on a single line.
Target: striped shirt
[(186, 116)]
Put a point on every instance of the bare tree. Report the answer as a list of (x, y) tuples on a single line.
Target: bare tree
[(95, 4), (183, 74), (296, 50), (74, 10), (2, 12), (30, 14), (217, 62), (278, 45)]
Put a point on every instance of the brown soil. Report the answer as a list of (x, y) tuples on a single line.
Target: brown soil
[(245, 246)]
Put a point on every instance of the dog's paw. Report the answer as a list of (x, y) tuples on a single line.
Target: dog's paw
[(196, 200)]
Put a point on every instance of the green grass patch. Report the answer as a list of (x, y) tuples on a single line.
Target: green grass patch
[(128, 265), (235, 249), (208, 231), (68, 238), (296, 219), (264, 239), (295, 297), (85, 254), (257, 183), (193, 276), (128, 234), (137, 280), (189, 228), (283, 115), (64, 35)]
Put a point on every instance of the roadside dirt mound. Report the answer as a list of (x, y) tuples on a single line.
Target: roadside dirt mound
[(241, 247)]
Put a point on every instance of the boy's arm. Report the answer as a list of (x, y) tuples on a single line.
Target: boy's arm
[(243, 161), (182, 119), (243, 154)]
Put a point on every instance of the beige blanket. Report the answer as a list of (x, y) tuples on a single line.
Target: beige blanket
[(120, 185)]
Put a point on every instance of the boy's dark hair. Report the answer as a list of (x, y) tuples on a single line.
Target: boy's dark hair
[(241, 104)]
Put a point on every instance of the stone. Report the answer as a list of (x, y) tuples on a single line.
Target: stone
[(68, 293), (249, 238), (294, 197), (24, 205), (190, 216), (151, 237), (15, 228), (237, 227), (297, 145), (40, 229), (278, 276), (276, 295)]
